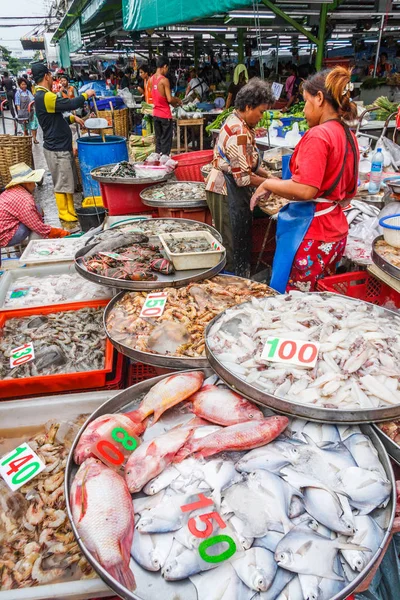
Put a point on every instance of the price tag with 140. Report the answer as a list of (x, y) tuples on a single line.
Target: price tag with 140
[(154, 305), (19, 466), (295, 352)]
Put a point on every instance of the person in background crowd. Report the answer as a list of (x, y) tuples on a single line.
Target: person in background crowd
[(146, 88), (312, 228), (290, 81), (19, 214), (9, 88), (297, 89), (111, 80), (125, 81), (384, 68), (240, 78), (26, 115), (57, 137), (66, 89), (28, 82), (396, 62), (197, 84), (55, 88), (162, 99), (236, 170)]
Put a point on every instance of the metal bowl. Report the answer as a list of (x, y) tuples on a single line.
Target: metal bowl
[(184, 203), (152, 585), (136, 225), (382, 263), (289, 407), (393, 183), (127, 180)]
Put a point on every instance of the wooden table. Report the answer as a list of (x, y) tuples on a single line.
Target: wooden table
[(185, 123)]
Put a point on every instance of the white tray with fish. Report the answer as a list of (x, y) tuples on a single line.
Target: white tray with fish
[(55, 250), (192, 249), (175, 194), (262, 483), (111, 240), (383, 260), (48, 284), (175, 340), (15, 417), (356, 374)]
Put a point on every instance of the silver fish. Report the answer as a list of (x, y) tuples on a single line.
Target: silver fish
[(256, 568), (364, 453), (309, 553), (367, 490), (182, 562), (272, 457), (161, 481), (269, 541), (335, 453), (326, 508), (151, 551), (368, 534), (221, 584), (346, 431), (220, 474), (281, 580), (296, 507), (278, 495), (141, 504), (292, 591), (166, 516), (320, 432), (310, 587), (239, 527)]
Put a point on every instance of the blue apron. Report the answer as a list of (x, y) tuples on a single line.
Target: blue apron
[(295, 218)]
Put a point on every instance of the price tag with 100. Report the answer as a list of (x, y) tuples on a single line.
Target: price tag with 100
[(295, 352)]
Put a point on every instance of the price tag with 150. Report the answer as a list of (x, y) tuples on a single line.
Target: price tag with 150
[(154, 304), (295, 352), (19, 466)]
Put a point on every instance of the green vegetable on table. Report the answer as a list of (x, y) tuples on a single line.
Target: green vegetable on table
[(217, 124), (386, 108)]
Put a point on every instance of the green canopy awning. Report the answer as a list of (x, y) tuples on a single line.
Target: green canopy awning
[(147, 14)]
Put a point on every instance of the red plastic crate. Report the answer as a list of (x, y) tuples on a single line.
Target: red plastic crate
[(190, 163), (138, 372), (124, 199), (361, 285)]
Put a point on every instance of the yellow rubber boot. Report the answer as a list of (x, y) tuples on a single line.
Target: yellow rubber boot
[(70, 205), (61, 201)]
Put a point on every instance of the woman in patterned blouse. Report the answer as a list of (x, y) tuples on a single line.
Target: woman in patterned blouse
[(236, 171)]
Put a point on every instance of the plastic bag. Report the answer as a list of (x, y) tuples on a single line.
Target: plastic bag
[(127, 97), (392, 150), (359, 241)]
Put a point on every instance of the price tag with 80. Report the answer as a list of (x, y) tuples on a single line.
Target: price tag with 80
[(208, 519), (295, 352), (115, 447), (19, 466)]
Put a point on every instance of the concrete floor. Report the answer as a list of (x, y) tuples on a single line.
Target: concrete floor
[(44, 194)]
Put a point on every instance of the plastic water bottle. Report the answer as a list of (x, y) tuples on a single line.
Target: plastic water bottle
[(376, 172)]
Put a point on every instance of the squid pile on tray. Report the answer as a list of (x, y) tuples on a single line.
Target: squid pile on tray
[(240, 504), (180, 329)]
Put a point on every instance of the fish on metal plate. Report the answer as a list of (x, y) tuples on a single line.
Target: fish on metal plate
[(277, 496), (335, 453), (309, 553), (326, 507), (292, 591), (97, 429), (296, 507), (273, 457), (243, 436), (318, 432), (183, 562), (167, 393), (153, 456), (256, 568), (161, 481), (364, 453), (367, 490), (269, 541), (107, 533), (146, 503), (222, 406), (368, 534), (281, 580), (220, 474), (166, 516), (221, 584), (239, 527)]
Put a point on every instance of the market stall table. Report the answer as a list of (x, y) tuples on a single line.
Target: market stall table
[(185, 124)]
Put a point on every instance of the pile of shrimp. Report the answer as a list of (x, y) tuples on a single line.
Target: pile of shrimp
[(37, 544)]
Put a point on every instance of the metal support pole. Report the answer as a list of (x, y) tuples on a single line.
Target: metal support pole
[(378, 48), (321, 37), (241, 45), (295, 24), (277, 56), (196, 54)]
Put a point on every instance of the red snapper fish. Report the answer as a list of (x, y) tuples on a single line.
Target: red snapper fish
[(98, 429), (243, 436), (167, 393), (102, 510), (153, 456), (222, 406)]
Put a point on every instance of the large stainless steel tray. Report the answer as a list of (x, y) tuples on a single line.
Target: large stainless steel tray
[(382, 263), (152, 585), (391, 447), (305, 411), (177, 203), (136, 225), (150, 358), (127, 180)]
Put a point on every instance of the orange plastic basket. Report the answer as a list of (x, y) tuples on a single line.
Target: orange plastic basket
[(27, 386)]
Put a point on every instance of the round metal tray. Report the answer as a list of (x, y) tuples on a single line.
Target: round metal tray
[(151, 585), (150, 358), (206, 227), (382, 263), (159, 203), (127, 180), (288, 407)]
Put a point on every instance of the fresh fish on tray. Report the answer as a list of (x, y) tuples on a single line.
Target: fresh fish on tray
[(181, 191), (182, 245), (121, 170), (64, 342), (359, 353), (153, 227), (300, 502)]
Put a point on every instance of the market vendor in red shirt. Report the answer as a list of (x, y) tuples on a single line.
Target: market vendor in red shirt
[(312, 228), (20, 216)]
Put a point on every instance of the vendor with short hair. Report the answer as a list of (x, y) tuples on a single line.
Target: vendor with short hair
[(20, 216)]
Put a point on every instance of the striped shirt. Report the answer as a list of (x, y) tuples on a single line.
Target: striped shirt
[(17, 206), (235, 152)]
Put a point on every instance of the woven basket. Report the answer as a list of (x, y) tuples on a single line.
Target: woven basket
[(14, 149), (121, 121)]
